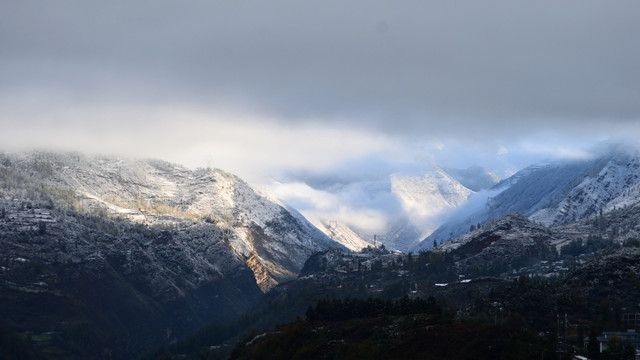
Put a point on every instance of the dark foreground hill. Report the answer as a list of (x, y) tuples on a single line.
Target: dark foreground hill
[(523, 318), (528, 288)]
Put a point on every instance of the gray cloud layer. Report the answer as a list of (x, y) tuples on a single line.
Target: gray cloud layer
[(417, 65), (331, 96)]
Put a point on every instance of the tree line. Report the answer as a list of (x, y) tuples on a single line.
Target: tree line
[(351, 308)]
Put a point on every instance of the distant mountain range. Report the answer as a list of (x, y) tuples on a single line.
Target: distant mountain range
[(120, 256), (512, 271), (424, 200), (554, 193)]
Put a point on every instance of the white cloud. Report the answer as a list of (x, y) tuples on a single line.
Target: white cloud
[(303, 196), (321, 88), (368, 221), (554, 150), (249, 145), (318, 205)]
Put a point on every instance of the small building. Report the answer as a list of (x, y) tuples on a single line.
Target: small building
[(631, 335)]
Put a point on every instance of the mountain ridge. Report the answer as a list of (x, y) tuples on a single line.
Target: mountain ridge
[(129, 254), (553, 193), (157, 192), (422, 198)]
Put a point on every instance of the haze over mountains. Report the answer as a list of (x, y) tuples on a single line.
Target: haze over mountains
[(173, 248), (436, 203), (399, 209), (290, 135)]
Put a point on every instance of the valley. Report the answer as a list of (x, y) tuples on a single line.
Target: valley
[(124, 256), (301, 180), (106, 258)]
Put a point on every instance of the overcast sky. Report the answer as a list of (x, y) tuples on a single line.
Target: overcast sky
[(266, 88)]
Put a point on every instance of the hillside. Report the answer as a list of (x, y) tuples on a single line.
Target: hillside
[(556, 193), (118, 256), (361, 303)]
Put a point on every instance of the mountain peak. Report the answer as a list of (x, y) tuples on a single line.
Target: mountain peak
[(554, 193), (159, 193)]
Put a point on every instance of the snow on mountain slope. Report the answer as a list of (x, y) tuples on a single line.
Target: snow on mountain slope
[(410, 206), (342, 234), (627, 198), (429, 194), (424, 198), (553, 193), (610, 177), (130, 273), (270, 239), (502, 241), (525, 192), (307, 225)]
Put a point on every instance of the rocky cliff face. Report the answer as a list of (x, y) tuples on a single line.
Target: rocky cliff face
[(126, 255)]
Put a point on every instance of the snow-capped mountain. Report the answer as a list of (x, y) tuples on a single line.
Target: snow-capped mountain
[(609, 179), (414, 204), (429, 194), (260, 231), (170, 248), (423, 199), (553, 193), (343, 234)]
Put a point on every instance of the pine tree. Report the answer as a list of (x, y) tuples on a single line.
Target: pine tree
[(602, 224)]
